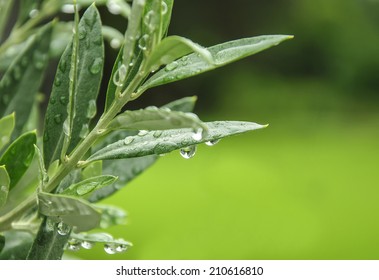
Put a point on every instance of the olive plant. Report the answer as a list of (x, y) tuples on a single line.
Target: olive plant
[(52, 179)]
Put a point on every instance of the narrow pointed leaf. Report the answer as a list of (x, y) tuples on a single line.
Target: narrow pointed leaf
[(17, 245), (166, 15), (19, 156), (93, 169), (89, 69), (23, 78), (222, 54), (4, 186), (89, 185), (43, 177), (5, 7), (72, 211), (170, 140), (128, 169), (153, 118), (2, 242), (173, 47), (7, 125)]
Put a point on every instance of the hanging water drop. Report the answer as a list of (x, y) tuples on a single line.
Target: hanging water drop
[(63, 229), (91, 109), (121, 248), (143, 132), (58, 118), (86, 244), (142, 43), (128, 140), (33, 13), (173, 65), (110, 249), (198, 134), (96, 65), (212, 142), (119, 76), (68, 9), (164, 8), (188, 152), (74, 245), (115, 43), (84, 131)]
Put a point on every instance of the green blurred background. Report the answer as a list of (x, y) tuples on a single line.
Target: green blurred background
[(307, 187)]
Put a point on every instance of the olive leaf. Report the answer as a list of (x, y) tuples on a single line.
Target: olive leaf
[(22, 80), (72, 211), (7, 125), (153, 118), (5, 7), (17, 245), (222, 54), (73, 104), (111, 215), (18, 156), (89, 185), (4, 186), (163, 142)]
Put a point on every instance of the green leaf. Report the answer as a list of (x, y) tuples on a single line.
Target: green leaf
[(49, 243), (4, 186), (23, 78), (172, 48), (7, 125), (17, 245), (113, 36), (153, 118), (43, 177), (26, 6), (82, 104), (72, 211), (19, 156), (2, 242), (89, 185), (128, 169), (222, 54), (166, 15), (93, 169), (170, 140), (111, 216), (5, 7)]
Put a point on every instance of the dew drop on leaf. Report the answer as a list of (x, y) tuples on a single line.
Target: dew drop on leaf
[(74, 245), (96, 65), (188, 152), (91, 109), (57, 81), (173, 65), (157, 133), (63, 100), (110, 249), (121, 248), (143, 132), (164, 8), (62, 66), (151, 21), (119, 75), (33, 13), (58, 118), (198, 134), (128, 140), (84, 131), (82, 33), (142, 43), (86, 244), (212, 142), (63, 229)]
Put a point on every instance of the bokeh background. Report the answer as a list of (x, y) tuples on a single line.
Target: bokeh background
[(307, 187)]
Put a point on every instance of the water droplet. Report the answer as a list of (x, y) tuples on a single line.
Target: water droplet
[(142, 43), (33, 13), (198, 134), (57, 81), (212, 142), (96, 66), (119, 76), (63, 100), (84, 131), (173, 65), (52, 100), (91, 109), (82, 33), (74, 245), (115, 43), (39, 60), (110, 249), (121, 248), (62, 65), (188, 152), (58, 118), (63, 229), (151, 21), (164, 8), (46, 137), (128, 140), (68, 9), (157, 133), (143, 132), (114, 8), (86, 244)]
